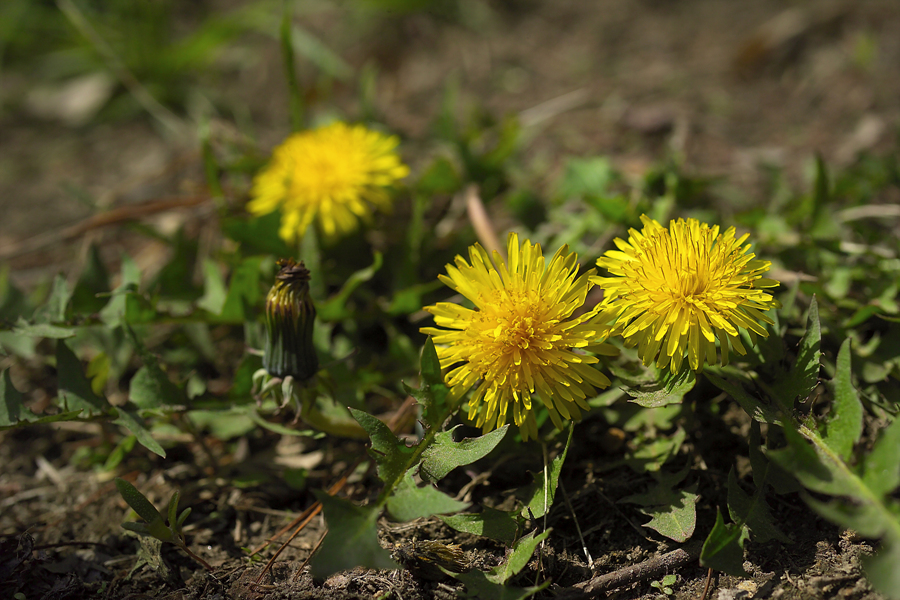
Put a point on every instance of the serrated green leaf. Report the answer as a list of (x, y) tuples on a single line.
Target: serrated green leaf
[(390, 454), (137, 501), (150, 387), (881, 569), (352, 538), (430, 365), (444, 454), (125, 304), (491, 523), (74, 388), (815, 471), (804, 374), (844, 425), (663, 392), (723, 549), (409, 501), (537, 500), (752, 512), (677, 520), (132, 422), (881, 467), (651, 454), (518, 557), (752, 406)]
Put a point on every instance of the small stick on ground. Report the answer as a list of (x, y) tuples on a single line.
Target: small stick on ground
[(648, 569)]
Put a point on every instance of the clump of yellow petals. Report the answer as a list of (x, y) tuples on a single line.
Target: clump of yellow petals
[(338, 173), (675, 291), (518, 342)]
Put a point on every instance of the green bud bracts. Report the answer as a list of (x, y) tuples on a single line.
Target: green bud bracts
[(290, 315)]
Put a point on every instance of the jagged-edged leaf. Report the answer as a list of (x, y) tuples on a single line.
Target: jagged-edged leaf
[(444, 454), (352, 538), (518, 557), (670, 390), (753, 512), (751, 405), (74, 388), (804, 374), (150, 387), (673, 512), (844, 425), (538, 496), (723, 549), (810, 465), (652, 453), (881, 467), (430, 365), (491, 523), (409, 501), (390, 454)]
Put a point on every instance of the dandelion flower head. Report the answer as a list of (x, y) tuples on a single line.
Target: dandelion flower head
[(673, 292), (338, 174), (518, 342)]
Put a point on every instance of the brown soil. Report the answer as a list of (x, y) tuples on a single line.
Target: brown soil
[(733, 88)]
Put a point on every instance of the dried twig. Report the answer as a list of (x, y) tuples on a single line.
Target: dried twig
[(653, 567)]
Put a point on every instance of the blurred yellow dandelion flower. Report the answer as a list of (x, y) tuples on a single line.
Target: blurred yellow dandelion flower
[(674, 291), (337, 173), (519, 340)]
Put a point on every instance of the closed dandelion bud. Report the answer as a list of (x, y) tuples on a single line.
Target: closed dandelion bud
[(290, 315)]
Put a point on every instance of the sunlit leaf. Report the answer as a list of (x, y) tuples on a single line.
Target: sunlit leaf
[(444, 454), (844, 425), (390, 454), (409, 501), (491, 523), (663, 392), (804, 374), (537, 496), (518, 557)]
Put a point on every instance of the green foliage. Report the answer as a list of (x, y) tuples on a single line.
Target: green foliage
[(444, 454), (491, 584), (491, 523), (672, 512), (410, 501), (538, 497), (352, 538)]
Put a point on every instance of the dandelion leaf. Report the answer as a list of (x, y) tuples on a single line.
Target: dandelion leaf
[(881, 467), (753, 512), (723, 549), (390, 454), (352, 538), (13, 413), (804, 374), (75, 391), (478, 585), (752, 406), (669, 390), (491, 523), (433, 393), (844, 426), (672, 512), (243, 291), (54, 310), (537, 497), (409, 501), (444, 454), (214, 290), (150, 387), (881, 569)]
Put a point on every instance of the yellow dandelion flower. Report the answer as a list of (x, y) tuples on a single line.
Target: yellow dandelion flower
[(519, 340), (337, 173), (674, 292)]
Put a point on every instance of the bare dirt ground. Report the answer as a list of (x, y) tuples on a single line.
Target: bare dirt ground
[(733, 88)]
